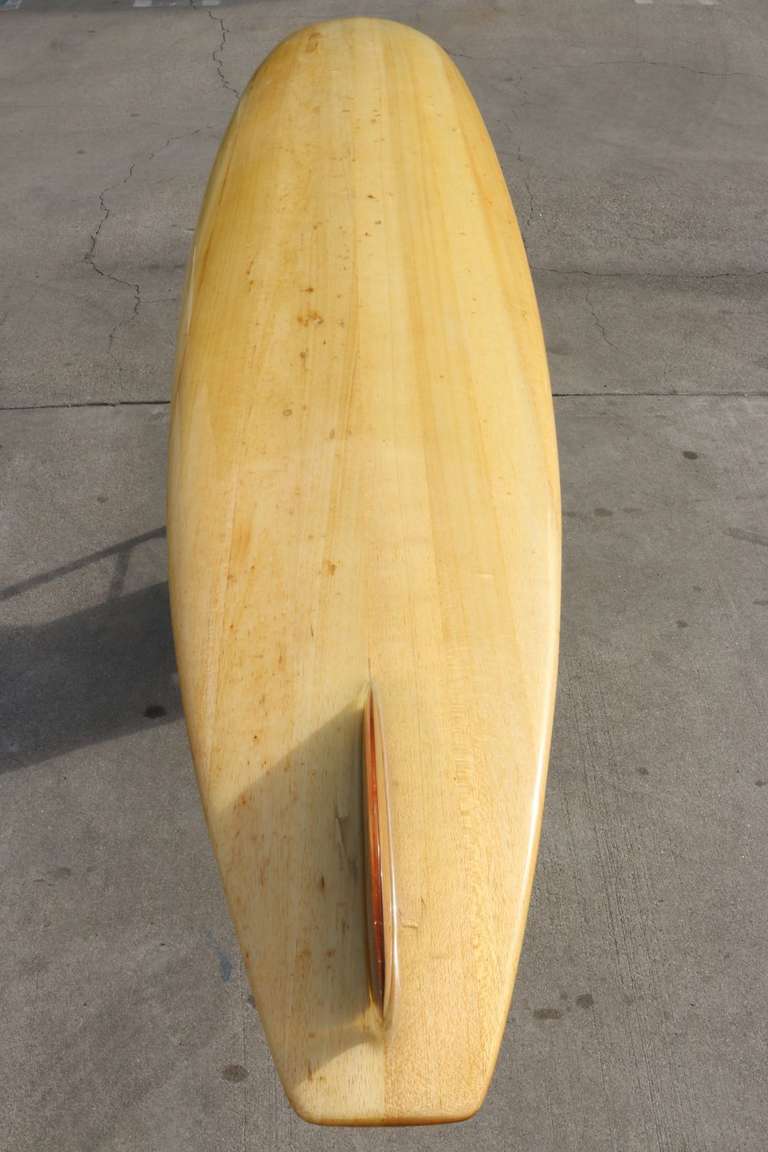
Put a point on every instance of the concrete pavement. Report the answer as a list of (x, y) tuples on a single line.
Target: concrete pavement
[(633, 139)]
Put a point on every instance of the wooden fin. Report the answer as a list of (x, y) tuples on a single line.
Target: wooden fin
[(380, 898)]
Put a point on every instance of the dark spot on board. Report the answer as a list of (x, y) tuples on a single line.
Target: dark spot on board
[(250, 1000), (287, 411), (642, 771), (586, 1000), (234, 1073), (61, 873), (690, 455), (81, 151), (225, 967), (101, 499), (682, 623), (154, 711), (602, 512), (760, 783), (697, 588), (322, 882), (761, 603), (547, 1014), (330, 567)]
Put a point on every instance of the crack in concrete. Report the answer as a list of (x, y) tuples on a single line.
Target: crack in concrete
[(598, 322), (63, 405), (465, 56), (106, 212), (629, 275), (18, 307), (526, 184), (523, 169), (217, 54), (642, 62), (637, 61), (636, 395), (90, 259)]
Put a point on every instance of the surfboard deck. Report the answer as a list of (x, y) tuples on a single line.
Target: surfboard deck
[(363, 487)]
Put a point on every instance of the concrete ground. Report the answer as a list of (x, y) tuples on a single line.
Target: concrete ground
[(634, 136)]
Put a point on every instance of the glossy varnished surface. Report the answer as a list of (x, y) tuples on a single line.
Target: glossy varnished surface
[(380, 889), (363, 483)]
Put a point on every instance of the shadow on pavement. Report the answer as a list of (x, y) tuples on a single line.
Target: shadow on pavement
[(91, 676)]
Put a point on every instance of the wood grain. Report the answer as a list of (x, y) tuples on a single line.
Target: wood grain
[(363, 484)]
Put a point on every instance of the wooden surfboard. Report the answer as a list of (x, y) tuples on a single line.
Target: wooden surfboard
[(364, 537)]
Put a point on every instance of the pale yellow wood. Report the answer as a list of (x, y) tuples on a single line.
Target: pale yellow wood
[(363, 485)]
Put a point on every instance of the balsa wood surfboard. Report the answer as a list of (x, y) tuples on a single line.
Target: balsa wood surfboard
[(364, 536)]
